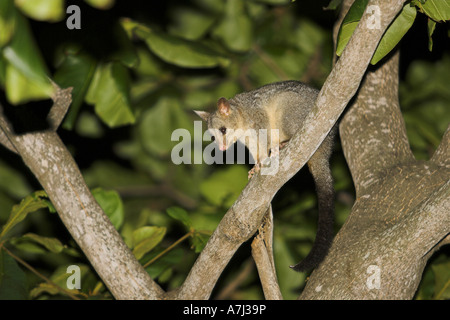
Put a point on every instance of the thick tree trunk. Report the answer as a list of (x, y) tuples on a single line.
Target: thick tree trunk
[(402, 207)]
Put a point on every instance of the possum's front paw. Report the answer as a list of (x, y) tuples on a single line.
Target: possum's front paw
[(283, 144), (256, 168)]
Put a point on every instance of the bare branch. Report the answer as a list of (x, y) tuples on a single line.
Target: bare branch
[(262, 251), (247, 269), (52, 164), (61, 103)]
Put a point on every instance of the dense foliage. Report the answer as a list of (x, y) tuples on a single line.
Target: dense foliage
[(138, 69)]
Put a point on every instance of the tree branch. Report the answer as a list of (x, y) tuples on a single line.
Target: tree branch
[(374, 142), (53, 166), (262, 252), (245, 216), (401, 211)]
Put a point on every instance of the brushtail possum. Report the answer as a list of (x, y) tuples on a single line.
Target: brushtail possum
[(282, 106)]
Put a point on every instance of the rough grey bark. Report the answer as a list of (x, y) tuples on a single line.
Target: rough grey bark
[(262, 252)]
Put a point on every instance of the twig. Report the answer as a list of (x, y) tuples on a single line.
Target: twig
[(263, 255), (173, 245), (159, 190), (226, 292)]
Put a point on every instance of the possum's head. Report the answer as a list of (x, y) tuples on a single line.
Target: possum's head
[(223, 123)]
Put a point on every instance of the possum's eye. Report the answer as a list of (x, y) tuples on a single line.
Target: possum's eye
[(223, 130)]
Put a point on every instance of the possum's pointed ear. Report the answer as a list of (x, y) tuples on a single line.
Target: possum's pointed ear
[(203, 114), (224, 107)]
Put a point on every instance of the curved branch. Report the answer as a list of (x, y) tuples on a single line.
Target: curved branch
[(373, 142), (53, 166), (245, 216), (262, 252), (401, 211)]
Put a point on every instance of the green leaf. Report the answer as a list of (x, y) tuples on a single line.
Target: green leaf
[(395, 32), (430, 26), (13, 281), (42, 10), (2, 71), (149, 65), (50, 244), (349, 24), (21, 89), (276, 2), (60, 275), (180, 214), (7, 21), (442, 280), (290, 63), (165, 275), (333, 5), (425, 290), (110, 174), (189, 23), (44, 287), (111, 204), (180, 52), (88, 125), (23, 53), (109, 92), (158, 123), (224, 186), (101, 4), (438, 10), (175, 50), (59, 278), (76, 71), (26, 73), (146, 238), (167, 261), (126, 51), (13, 182), (199, 240), (19, 212), (235, 29)]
